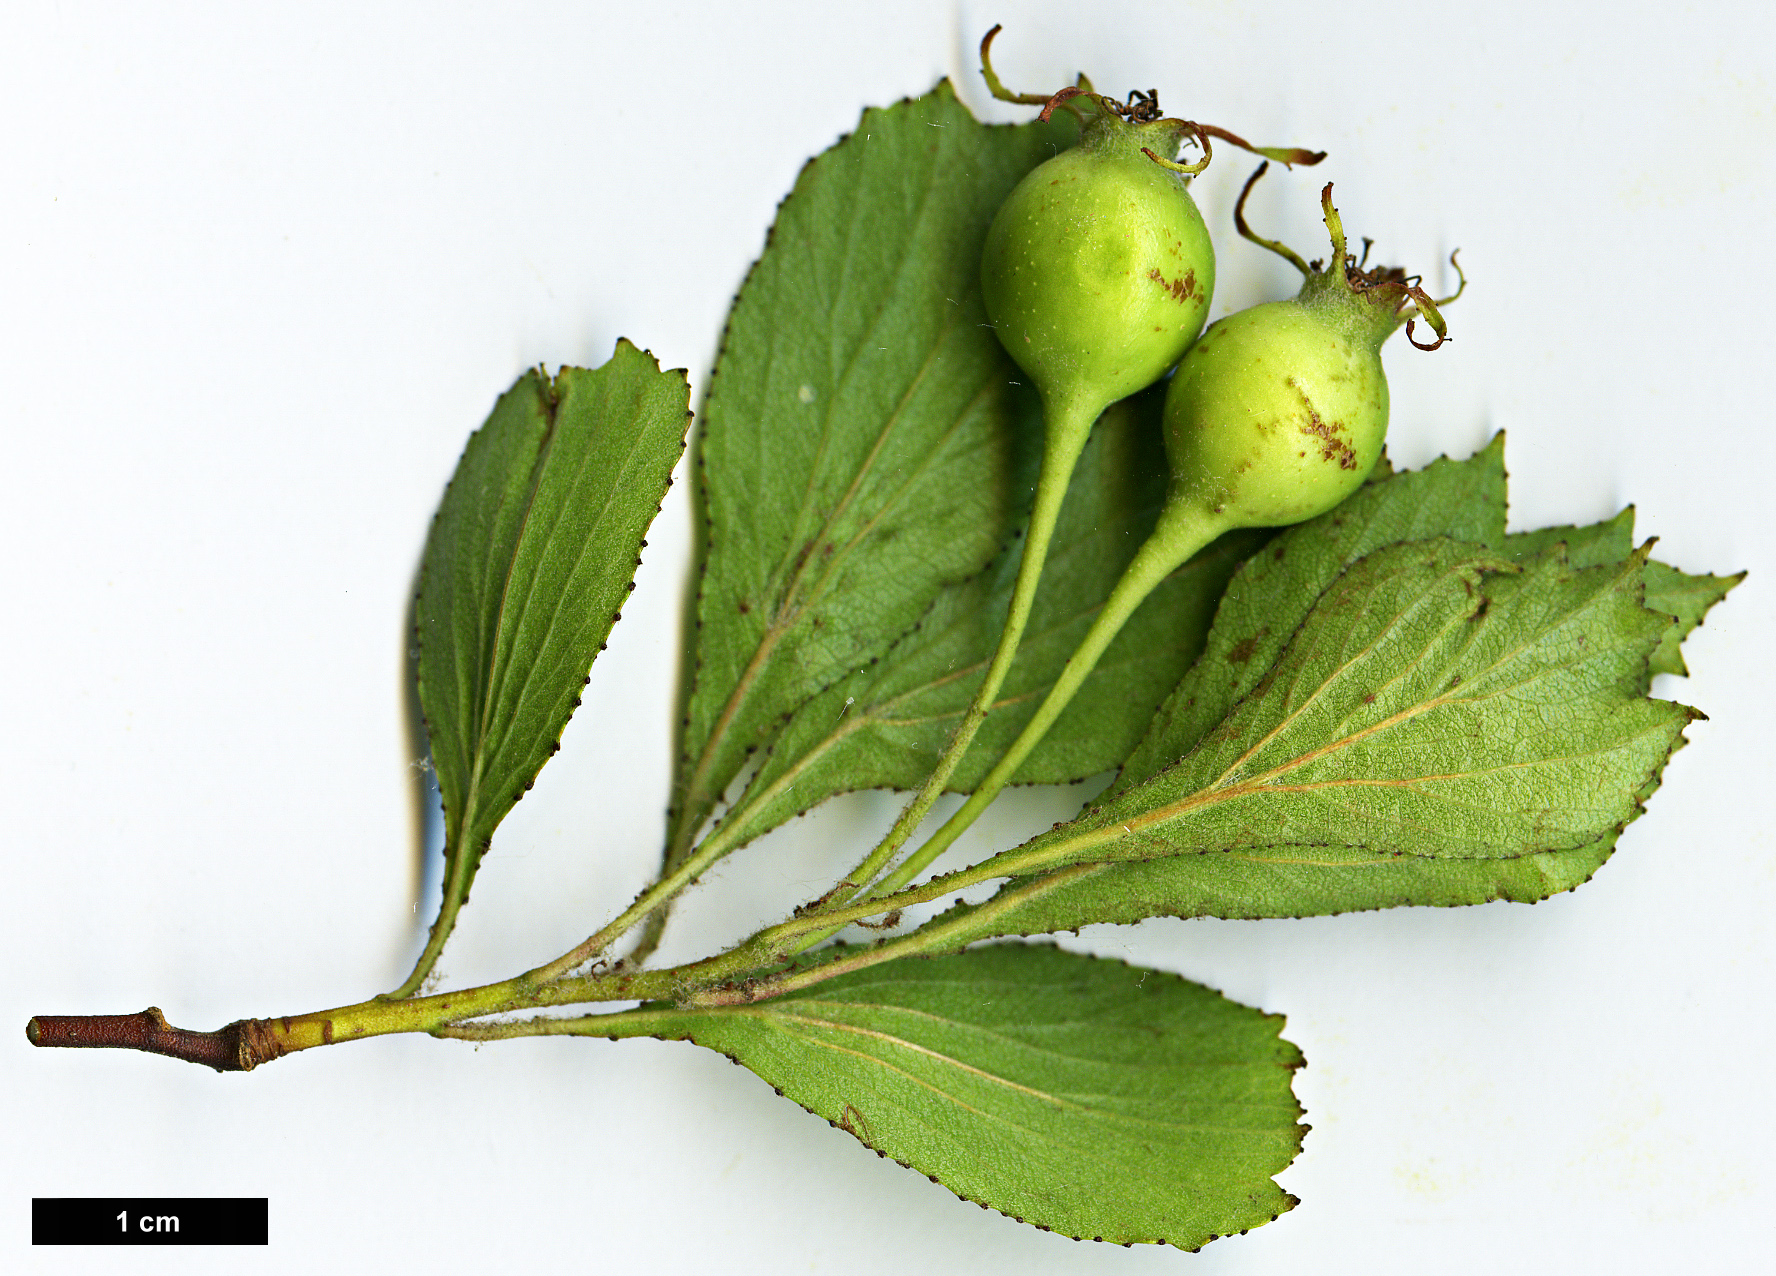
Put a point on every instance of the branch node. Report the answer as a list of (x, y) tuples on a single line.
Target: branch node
[(240, 1047)]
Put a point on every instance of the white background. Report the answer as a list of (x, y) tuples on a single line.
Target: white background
[(263, 268)]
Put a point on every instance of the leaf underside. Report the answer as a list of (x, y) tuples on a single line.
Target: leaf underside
[(865, 442), (1432, 704), (1081, 1095), (1686, 598), (1271, 787), (531, 556)]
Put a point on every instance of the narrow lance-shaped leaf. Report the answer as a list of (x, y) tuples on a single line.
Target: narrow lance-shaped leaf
[(864, 443), (533, 552), (1436, 702), (1084, 1096), (885, 726)]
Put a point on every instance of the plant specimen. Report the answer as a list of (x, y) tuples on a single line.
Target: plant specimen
[(1393, 702)]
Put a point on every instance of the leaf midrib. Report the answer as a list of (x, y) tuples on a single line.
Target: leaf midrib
[(1291, 716), (789, 613), (493, 651), (587, 544), (1210, 795)]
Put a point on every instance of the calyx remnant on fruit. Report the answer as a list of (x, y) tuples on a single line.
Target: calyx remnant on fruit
[(1394, 295), (1280, 411), (1098, 270), (1096, 273)]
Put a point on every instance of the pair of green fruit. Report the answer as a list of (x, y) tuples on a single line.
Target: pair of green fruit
[(1097, 275)]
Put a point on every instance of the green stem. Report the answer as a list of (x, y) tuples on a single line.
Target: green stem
[(772, 944), (456, 889), (926, 941), (728, 978), (712, 848), (1183, 530), (1068, 424), (247, 1043), (653, 928), (651, 1020), (643, 1022)]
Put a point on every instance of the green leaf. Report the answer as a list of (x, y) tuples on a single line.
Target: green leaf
[(1271, 595), (532, 554), (1438, 701), (1279, 881), (1591, 546), (864, 443), (1296, 881), (885, 726), (1688, 599), (1267, 600), (1081, 1095)]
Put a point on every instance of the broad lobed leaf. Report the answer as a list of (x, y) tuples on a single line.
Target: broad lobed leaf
[(532, 553), (885, 726), (1677, 594), (1463, 499), (864, 442), (1271, 595), (1081, 1095), (1433, 703), (1688, 599)]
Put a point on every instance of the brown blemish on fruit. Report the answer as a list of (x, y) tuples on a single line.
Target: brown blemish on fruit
[(1329, 433), (1182, 290)]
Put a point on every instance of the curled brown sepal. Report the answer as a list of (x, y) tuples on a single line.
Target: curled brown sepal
[(1441, 338), (1287, 156), (1071, 91), (1189, 170), (240, 1047)]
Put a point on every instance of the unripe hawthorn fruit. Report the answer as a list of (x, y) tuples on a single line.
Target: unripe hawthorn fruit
[(1278, 415), (1097, 270), (1280, 411), (1274, 416), (1096, 273)]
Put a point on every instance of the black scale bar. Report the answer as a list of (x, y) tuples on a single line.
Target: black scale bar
[(149, 1220)]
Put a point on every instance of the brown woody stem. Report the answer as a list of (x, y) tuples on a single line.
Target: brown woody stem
[(247, 1043), (240, 1047)]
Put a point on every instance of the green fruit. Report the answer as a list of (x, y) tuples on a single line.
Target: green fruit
[(1096, 273), (1278, 414), (1098, 270), (1280, 411)]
